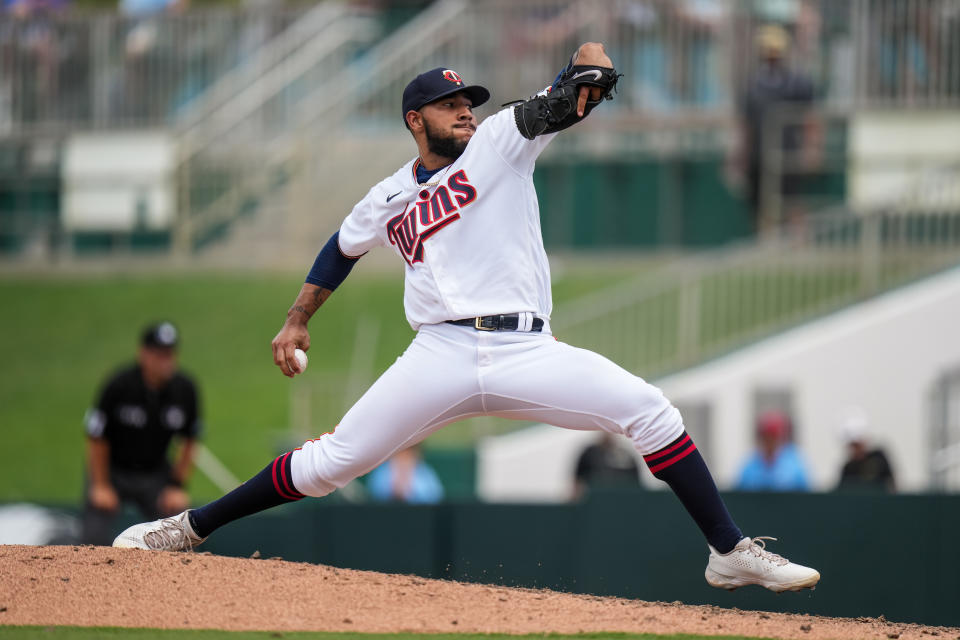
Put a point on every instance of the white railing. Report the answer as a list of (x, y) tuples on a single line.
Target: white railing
[(231, 151), (261, 62), (700, 306), (266, 98), (300, 154)]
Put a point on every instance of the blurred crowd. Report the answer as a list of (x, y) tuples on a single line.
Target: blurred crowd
[(149, 59), (700, 66), (137, 66), (777, 463)]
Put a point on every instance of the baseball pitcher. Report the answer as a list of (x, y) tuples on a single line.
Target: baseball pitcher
[(464, 218)]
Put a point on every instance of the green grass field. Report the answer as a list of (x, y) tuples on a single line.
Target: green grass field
[(61, 337), (60, 340), (95, 633)]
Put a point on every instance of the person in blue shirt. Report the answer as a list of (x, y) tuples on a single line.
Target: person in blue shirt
[(405, 478), (776, 465)]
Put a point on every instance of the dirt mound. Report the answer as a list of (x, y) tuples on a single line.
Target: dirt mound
[(97, 586)]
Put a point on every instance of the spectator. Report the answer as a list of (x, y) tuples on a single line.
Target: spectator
[(903, 47), (29, 41), (605, 464), (139, 410), (142, 8), (776, 465), (405, 478), (866, 468), (156, 47), (772, 90)]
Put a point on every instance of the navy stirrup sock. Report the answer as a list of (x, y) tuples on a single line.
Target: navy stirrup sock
[(681, 466), (271, 487)]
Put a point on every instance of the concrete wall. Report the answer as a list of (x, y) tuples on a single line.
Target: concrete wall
[(118, 181), (535, 464), (884, 354), (894, 156)]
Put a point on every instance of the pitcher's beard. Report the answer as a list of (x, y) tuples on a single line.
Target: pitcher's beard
[(448, 146)]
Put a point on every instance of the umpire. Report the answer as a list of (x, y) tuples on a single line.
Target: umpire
[(140, 409)]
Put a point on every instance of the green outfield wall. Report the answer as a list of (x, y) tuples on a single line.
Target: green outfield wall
[(655, 201), (895, 556)]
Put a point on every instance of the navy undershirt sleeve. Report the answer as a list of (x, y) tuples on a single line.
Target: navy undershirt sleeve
[(331, 267)]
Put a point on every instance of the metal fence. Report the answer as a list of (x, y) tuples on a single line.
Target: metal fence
[(906, 52), (63, 71), (108, 70), (682, 61)]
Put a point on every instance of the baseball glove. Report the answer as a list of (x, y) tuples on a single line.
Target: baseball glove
[(556, 109)]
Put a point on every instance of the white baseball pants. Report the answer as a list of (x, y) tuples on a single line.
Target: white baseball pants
[(451, 372)]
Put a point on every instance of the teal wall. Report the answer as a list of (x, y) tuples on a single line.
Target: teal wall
[(643, 202), (654, 202), (29, 200), (457, 470), (894, 556), (638, 203)]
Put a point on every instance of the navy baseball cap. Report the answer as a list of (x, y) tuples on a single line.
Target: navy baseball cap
[(163, 335), (437, 83)]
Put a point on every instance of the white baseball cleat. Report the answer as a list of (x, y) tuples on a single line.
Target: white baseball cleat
[(168, 534), (750, 563)]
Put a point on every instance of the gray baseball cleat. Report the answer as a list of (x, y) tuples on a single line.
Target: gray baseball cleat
[(750, 563), (168, 534)]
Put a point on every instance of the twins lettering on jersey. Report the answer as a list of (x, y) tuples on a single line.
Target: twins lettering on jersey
[(428, 215)]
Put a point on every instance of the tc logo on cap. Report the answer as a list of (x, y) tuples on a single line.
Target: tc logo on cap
[(452, 76)]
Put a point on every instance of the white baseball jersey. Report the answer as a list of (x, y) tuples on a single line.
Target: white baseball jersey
[(470, 235)]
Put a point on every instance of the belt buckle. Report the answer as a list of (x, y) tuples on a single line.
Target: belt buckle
[(478, 325)]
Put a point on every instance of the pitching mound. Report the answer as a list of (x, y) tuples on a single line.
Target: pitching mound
[(97, 586)]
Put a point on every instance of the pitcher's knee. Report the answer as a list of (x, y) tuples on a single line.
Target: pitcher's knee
[(652, 433), (305, 477), (320, 467)]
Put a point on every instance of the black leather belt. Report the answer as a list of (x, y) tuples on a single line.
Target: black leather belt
[(508, 322)]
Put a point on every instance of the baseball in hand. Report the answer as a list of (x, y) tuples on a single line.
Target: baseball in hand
[(301, 357)]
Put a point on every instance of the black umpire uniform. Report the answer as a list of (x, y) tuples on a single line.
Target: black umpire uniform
[(140, 408)]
